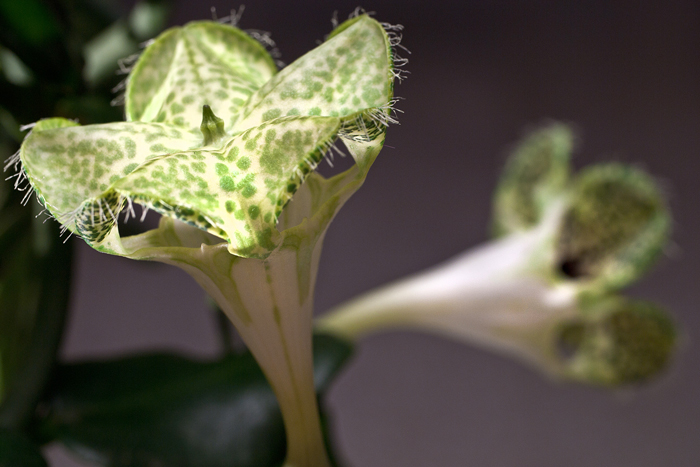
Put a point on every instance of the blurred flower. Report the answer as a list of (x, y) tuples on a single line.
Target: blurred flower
[(543, 290)]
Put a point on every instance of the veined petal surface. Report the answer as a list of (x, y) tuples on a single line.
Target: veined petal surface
[(349, 73), (71, 165), (202, 63), (238, 191), (234, 185)]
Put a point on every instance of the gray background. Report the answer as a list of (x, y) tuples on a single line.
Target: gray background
[(627, 74)]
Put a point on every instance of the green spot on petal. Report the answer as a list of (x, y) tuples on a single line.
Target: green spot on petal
[(221, 169), (128, 169), (230, 206), (270, 114), (243, 163), (227, 184)]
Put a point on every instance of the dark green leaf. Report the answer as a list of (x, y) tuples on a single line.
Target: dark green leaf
[(34, 283), (33, 31), (17, 451), (171, 411), (32, 20), (87, 18)]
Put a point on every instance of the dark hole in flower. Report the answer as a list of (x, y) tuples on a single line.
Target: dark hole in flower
[(572, 268)]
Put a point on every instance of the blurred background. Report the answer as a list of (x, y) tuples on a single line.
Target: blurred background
[(626, 74)]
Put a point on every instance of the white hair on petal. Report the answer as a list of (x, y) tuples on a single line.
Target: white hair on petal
[(393, 32), (126, 64), (359, 11), (129, 209), (144, 212), (334, 19), (12, 161), (125, 67), (232, 19), (27, 195), (263, 37)]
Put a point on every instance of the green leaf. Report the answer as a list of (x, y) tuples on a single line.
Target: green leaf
[(202, 63), (535, 175), (16, 450), (615, 227), (33, 19), (169, 410), (34, 286), (33, 31), (85, 19)]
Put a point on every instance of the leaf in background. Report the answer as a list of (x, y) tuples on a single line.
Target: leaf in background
[(120, 40), (104, 51), (18, 451), (33, 31), (85, 19), (34, 286), (14, 70), (148, 18), (39, 75), (168, 410)]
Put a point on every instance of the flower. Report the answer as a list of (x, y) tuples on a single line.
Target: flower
[(224, 147), (544, 290)]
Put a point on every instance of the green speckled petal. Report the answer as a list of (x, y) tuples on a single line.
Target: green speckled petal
[(616, 226), (73, 167), (535, 175), (237, 191), (202, 63), (349, 73), (182, 156)]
